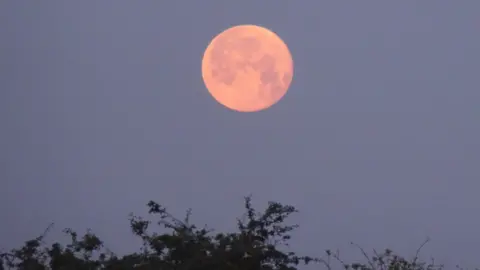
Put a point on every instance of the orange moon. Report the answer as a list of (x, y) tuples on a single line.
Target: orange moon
[(247, 68)]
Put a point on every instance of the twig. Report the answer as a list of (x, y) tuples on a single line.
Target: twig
[(364, 254), (41, 237), (419, 249)]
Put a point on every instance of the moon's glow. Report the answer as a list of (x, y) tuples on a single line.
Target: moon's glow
[(247, 68)]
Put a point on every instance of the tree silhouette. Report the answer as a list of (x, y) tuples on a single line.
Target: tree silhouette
[(256, 245)]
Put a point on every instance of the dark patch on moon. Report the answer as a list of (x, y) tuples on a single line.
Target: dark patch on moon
[(224, 74), (224, 67), (269, 77), (221, 67)]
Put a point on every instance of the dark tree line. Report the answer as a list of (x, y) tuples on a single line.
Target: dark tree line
[(256, 245)]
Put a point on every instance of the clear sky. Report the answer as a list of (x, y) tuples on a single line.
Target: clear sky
[(102, 108)]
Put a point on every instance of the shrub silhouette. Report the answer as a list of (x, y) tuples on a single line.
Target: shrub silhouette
[(256, 245)]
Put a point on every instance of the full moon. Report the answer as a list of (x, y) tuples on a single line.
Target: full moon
[(247, 68)]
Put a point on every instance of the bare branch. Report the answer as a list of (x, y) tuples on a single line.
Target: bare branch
[(420, 248), (364, 254), (45, 232)]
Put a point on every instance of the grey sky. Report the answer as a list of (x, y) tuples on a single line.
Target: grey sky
[(102, 108)]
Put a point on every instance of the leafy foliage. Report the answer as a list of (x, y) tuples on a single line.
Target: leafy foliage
[(256, 245)]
